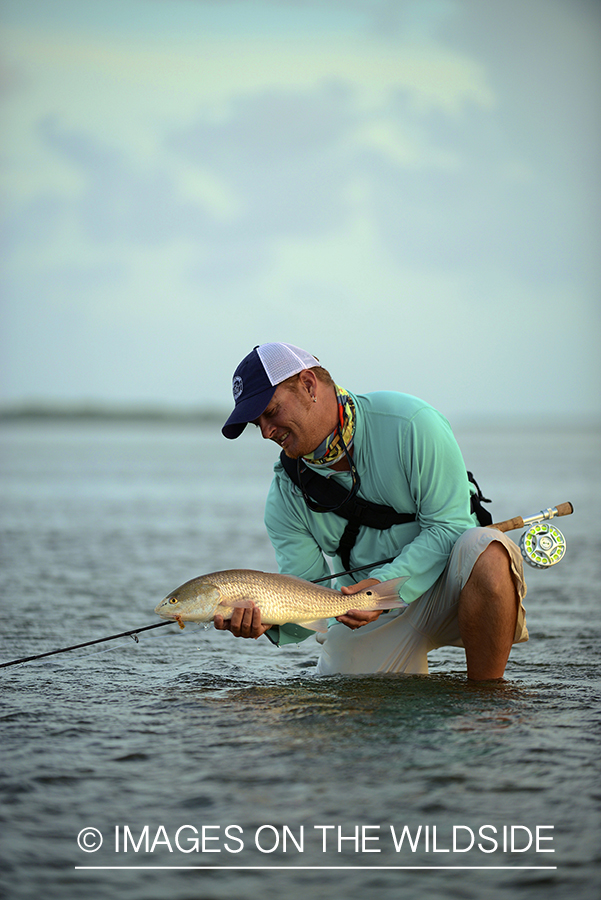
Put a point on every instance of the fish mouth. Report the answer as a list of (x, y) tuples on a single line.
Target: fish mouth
[(164, 612), (172, 617)]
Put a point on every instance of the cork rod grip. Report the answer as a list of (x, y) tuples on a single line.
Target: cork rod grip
[(508, 524), (565, 509)]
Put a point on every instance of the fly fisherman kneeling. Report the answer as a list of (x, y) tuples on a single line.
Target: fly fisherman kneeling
[(465, 583)]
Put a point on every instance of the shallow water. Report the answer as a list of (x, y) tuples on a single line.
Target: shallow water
[(297, 785)]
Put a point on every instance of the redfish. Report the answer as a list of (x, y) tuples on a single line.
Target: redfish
[(281, 598)]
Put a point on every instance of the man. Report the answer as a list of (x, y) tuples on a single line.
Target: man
[(465, 583)]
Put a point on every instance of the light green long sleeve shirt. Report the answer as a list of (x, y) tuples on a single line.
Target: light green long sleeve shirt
[(407, 457)]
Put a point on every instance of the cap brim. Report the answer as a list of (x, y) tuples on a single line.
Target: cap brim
[(247, 411)]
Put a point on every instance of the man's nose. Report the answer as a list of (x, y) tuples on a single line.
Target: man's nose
[(267, 428)]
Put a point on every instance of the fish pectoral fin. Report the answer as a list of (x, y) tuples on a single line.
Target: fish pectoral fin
[(317, 625), (391, 603), (386, 594), (237, 604)]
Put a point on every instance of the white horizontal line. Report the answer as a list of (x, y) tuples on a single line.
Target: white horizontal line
[(313, 868)]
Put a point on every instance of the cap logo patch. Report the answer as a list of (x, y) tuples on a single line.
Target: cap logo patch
[(237, 387)]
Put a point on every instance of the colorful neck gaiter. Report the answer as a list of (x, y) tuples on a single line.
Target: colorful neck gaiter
[(332, 449)]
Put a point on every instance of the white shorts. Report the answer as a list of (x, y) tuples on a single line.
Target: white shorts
[(400, 640)]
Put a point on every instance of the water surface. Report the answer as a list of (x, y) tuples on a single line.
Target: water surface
[(190, 734)]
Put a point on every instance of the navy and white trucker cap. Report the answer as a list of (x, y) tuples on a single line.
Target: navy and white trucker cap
[(256, 379)]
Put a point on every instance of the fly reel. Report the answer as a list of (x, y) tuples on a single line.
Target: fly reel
[(543, 545)]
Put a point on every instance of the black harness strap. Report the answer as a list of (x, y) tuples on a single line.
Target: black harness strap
[(483, 515), (331, 496)]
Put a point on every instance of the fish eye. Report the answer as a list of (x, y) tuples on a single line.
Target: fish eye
[(368, 593), (172, 599)]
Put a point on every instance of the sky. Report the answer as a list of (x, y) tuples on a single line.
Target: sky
[(408, 189)]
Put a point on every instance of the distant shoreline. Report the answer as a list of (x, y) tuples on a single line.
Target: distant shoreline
[(41, 412), (90, 412)]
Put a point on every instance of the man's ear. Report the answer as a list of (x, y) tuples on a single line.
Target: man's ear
[(308, 381)]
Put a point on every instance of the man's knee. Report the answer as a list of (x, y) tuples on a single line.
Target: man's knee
[(492, 570)]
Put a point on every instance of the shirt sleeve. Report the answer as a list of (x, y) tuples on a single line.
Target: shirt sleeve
[(296, 552), (437, 479)]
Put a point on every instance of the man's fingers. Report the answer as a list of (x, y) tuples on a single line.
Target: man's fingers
[(232, 624), (355, 618), (244, 622), (360, 586)]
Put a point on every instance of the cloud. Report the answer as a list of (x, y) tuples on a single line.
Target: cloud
[(414, 189)]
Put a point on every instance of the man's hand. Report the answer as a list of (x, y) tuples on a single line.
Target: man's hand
[(355, 618), (244, 623)]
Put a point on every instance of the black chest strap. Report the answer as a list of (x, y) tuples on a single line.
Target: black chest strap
[(331, 496)]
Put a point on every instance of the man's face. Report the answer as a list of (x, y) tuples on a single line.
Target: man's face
[(293, 421)]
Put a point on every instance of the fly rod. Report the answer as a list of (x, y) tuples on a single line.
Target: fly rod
[(111, 637), (542, 546)]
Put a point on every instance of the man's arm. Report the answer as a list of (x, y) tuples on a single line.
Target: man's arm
[(434, 472), (296, 550)]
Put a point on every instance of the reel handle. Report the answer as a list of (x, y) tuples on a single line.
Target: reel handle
[(564, 509)]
